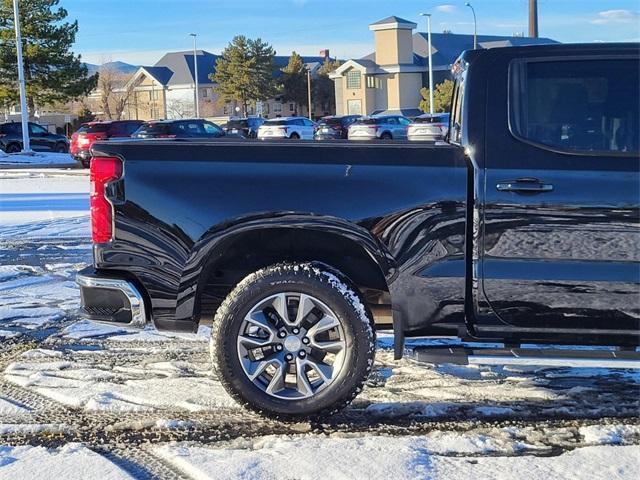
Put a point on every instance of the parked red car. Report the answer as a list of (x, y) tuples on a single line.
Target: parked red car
[(82, 140)]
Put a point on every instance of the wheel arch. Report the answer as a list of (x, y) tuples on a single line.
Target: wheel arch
[(224, 257)]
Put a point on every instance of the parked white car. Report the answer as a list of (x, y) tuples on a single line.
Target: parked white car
[(287, 127), (383, 127), (430, 128)]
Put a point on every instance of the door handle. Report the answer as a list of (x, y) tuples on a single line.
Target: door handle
[(524, 185)]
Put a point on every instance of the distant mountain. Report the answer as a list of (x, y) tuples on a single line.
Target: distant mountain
[(120, 66)]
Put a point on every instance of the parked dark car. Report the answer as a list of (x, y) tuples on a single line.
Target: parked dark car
[(334, 127), (243, 127), (195, 128), (40, 138), (88, 133), (522, 229)]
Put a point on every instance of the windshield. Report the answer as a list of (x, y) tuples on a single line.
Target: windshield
[(271, 123), (368, 121), (434, 119)]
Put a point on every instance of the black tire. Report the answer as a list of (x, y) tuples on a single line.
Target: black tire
[(322, 283), (386, 136), (294, 136), (13, 148), (61, 148)]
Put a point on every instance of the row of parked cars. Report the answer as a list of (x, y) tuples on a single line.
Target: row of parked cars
[(353, 127)]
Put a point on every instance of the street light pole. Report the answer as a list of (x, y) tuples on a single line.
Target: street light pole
[(309, 91), (24, 116), (428, 15), (196, 98), (475, 26)]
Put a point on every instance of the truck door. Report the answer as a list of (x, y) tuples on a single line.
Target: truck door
[(560, 242)]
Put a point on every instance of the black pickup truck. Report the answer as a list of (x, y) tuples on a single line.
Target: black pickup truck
[(523, 228)]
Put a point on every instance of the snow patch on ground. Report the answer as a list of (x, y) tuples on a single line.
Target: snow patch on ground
[(609, 434), (71, 462), (447, 455)]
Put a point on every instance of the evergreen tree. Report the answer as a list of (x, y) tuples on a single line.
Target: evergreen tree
[(441, 97), (322, 87), (294, 81), (53, 73), (244, 71)]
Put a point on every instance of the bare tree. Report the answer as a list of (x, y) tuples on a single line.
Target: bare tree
[(115, 91)]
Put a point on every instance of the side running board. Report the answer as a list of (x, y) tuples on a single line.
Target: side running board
[(552, 357)]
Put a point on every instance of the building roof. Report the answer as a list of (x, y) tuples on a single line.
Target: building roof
[(392, 22), (446, 47), (177, 68)]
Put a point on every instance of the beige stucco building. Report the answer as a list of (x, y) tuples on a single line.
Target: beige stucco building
[(166, 90), (389, 79)]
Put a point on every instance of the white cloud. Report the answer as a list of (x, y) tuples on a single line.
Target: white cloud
[(447, 8), (612, 17)]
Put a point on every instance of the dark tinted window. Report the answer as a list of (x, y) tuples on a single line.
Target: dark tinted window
[(369, 121), (188, 128), (154, 129), (578, 105), (434, 119), (237, 124), (12, 128), (98, 128), (271, 123), (131, 127)]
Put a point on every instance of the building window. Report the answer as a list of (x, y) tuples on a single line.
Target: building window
[(292, 107), (204, 92), (353, 79), (372, 81), (277, 107)]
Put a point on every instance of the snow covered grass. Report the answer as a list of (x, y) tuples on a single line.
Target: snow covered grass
[(37, 158), (38, 195)]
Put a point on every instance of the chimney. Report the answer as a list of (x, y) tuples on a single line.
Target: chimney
[(325, 53), (533, 18)]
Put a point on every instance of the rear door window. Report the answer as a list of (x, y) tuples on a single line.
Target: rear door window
[(589, 105)]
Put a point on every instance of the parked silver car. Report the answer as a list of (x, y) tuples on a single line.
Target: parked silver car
[(384, 127), (429, 127)]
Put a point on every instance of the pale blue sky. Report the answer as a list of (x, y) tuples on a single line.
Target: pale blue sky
[(140, 31)]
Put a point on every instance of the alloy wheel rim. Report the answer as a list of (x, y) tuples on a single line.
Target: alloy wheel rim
[(291, 345)]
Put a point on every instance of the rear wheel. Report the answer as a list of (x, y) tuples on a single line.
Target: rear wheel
[(61, 148), (294, 136), (293, 341), (386, 136), (13, 148)]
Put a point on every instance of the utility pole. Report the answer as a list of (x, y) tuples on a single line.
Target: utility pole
[(475, 26), (196, 98), (309, 91), (533, 18), (428, 15), (24, 114)]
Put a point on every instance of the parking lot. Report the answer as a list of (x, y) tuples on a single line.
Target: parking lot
[(76, 396)]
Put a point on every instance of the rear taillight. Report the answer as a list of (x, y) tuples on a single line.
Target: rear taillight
[(103, 171)]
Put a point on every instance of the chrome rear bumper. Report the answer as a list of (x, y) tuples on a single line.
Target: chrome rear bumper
[(110, 300)]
